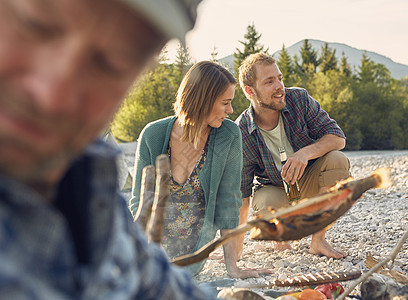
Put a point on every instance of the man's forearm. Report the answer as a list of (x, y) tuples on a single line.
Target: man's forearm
[(296, 163), (327, 143)]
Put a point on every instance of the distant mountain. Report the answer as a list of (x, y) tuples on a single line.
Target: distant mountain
[(228, 61), (353, 55)]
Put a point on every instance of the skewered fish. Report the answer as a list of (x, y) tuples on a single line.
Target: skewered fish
[(307, 216), (302, 218)]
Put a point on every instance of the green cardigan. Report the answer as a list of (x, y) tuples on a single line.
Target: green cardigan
[(220, 175)]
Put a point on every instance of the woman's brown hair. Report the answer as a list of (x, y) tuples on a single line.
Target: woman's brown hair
[(201, 86)]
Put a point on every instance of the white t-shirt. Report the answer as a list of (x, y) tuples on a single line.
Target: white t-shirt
[(275, 139)]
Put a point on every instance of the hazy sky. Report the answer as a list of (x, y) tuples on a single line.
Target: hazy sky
[(374, 25)]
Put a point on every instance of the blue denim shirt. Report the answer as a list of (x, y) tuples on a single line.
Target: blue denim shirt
[(45, 254)]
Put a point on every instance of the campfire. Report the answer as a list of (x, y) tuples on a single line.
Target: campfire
[(302, 218)]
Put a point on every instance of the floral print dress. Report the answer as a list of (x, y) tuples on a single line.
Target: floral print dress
[(185, 212)]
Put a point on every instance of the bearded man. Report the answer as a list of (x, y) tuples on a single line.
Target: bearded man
[(290, 119)]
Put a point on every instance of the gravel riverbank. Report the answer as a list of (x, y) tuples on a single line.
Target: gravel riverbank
[(373, 226)]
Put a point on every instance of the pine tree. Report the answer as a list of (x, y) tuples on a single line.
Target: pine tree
[(285, 65), (309, 57), (251, 45), (380, 106), (149, 99), (365, 73), (181, 64), (163, 56), (214, 54), (328, 60), (345, 68), (373, 72)]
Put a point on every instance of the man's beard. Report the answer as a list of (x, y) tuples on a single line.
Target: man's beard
[(272, 105)]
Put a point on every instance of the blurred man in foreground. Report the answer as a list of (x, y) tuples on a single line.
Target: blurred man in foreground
[(65, 65)]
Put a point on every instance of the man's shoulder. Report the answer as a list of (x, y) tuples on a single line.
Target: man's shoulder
[(297, 100), (244, 119), (296, 93), (101, 149)]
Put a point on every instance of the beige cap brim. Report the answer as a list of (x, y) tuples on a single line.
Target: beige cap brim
[(172, 17)]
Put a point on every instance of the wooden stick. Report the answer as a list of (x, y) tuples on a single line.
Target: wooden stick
[(308, 279), (363, 278), (205, 251), (357, 186), (162, 194), (146, 197)]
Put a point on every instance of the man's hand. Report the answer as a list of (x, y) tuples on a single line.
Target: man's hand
[(296, 164)]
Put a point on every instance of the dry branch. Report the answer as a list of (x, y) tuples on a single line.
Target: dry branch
[(146, 196), (398, 276), (162, 194), (302, 218), (363, 278)]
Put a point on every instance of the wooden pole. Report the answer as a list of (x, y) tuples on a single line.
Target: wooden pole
[(162, 194), (146, 196), (391, 257), (302, 208)]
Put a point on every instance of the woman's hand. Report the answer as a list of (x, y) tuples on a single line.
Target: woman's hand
[(231, 251), (236, 272)]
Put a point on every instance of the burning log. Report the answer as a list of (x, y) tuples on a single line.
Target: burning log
[(302, 218), (308, 216)]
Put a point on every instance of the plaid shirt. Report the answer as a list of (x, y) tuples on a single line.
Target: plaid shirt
[(40, 254), (304, 122)]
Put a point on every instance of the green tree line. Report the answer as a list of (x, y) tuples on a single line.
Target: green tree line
[(369, 105)]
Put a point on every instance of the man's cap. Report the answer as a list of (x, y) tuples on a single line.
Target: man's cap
[(174, 18)]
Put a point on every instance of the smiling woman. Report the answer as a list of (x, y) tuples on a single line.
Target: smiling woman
[(206, 159)]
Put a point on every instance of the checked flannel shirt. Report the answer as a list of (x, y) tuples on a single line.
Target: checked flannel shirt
[(87, 248), (304, 123)]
